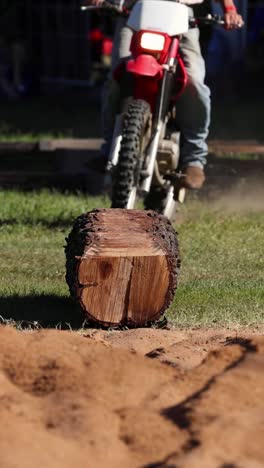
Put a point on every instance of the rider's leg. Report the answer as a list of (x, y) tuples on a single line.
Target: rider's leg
[(111, 89), (193, 112)]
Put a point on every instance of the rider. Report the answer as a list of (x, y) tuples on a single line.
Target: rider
[(193, 107)]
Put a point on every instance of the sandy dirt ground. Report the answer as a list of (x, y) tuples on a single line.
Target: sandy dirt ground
[(138, 398)]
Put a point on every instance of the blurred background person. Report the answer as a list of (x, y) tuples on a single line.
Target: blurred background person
[(12, 52), (12, 61)]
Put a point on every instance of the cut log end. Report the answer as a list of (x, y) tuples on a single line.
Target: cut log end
[(122, 265)]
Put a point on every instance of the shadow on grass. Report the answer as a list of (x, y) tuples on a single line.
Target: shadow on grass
[(53, 113), (90, 183), (41, 311)]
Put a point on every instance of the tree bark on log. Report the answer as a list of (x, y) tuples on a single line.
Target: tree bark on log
[(122, 265)]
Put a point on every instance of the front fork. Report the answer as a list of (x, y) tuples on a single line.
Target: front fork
[(115, 144), (117, 137), (159, 121)]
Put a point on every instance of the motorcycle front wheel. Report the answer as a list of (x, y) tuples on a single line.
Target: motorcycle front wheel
[(135, 134)]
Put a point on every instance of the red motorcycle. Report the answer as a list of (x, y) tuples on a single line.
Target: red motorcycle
[(145, 149)]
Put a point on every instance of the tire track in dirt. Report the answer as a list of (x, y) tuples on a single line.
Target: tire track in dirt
[(181, 414)]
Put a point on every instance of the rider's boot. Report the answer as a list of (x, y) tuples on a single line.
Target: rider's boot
[(192, 177)]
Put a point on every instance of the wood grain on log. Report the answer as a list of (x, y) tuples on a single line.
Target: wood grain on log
[(122, 265)]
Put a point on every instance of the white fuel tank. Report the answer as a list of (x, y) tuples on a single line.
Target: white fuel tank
[(159, 15)]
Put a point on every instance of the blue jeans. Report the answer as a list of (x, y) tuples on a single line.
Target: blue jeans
[(192, 108)]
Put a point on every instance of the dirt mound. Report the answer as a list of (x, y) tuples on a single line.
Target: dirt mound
[(68, 400)]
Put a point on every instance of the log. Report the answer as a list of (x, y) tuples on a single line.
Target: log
[(122, 265)]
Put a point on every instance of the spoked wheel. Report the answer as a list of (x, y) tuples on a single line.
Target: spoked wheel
[(135, 136), (161, 200)]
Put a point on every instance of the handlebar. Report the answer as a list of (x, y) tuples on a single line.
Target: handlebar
[(106, 6), (213, 20)]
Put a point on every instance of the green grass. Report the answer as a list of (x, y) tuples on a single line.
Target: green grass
[(222, 272), (66, 113), (240, 156), (45, 208), (33, 227), (11, 134), (221, 280), (76, 113)]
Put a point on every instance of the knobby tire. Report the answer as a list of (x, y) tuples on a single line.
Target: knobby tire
[(130, 156)]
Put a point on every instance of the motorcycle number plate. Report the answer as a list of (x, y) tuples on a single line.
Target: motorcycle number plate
[(159, 15)]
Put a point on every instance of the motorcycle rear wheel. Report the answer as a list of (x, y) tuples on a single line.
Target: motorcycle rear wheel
[(136, 127)]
